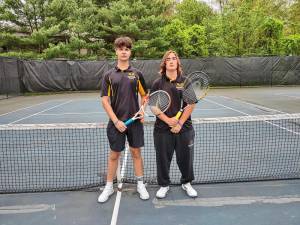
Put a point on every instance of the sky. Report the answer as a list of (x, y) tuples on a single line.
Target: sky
[(212, 3)]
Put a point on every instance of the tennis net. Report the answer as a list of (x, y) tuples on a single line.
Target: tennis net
[(53, 157)]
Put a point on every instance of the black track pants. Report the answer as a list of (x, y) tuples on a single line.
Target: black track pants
[(183, 143)]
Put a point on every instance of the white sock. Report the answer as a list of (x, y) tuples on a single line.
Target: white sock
[(109, 184), (140, 180)]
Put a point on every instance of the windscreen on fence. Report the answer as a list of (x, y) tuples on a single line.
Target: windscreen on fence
[(66, 75)]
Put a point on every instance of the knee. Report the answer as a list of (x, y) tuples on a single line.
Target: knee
[(114, 156), (136, 154)]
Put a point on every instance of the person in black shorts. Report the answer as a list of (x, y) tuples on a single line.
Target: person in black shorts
[(121, 87), (170, 133)]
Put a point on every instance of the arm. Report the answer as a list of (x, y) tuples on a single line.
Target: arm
[(171, 121), (105, 99), (185, 115), (107, 107)]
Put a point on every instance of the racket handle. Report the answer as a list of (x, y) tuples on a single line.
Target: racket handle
[(178, 115), (130, 121)]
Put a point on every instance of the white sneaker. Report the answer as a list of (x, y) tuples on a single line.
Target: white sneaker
[(191, 192), (162, 192), (141, 189), (103, 197)]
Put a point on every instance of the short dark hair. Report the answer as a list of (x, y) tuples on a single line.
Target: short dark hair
[(123, 42)]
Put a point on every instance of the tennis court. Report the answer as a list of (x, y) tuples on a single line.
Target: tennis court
[(57, 143)]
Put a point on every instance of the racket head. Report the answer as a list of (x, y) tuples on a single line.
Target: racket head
[(158, 102), (195, 87)]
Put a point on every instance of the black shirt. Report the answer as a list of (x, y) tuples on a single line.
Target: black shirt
[(174, 89), (123, 86)]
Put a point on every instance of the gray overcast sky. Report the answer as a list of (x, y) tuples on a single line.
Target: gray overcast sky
[(212, 3)]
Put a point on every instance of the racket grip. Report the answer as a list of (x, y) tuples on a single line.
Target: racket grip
[(178, 115), (130, 121)]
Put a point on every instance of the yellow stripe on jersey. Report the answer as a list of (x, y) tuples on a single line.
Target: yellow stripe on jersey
[(110, 89), (141, 89)]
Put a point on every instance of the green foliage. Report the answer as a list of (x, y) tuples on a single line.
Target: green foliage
[(197, 41), (291, 44), (294, 18), (193, 12), (270, 33), (59, 51), (23, 55), (86, 29), (141, 20), (187, 41), (9, 40), (244, 28)]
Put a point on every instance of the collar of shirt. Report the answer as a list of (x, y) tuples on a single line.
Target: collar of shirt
[(178, 79), (129, 69)]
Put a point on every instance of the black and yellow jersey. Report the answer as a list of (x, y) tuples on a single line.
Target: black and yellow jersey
[(123, 87), (174, 89)]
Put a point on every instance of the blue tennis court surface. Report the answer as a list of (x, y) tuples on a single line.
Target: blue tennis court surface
[(244, 203), (89, 110)]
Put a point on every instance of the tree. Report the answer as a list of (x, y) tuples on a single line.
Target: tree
[(294, 18), (197, 40), (270, 34), (61, 28), (28, 15), (291, 45), (245, 28), (42, 37), (140, 19), (193, 12), (102, 3), (185, 40)]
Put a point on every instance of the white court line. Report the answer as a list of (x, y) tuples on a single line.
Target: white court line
[(227, 107), (40, 112), (120, 176), (225, 201), (17, 209), (59, 114), (206, 109), (27, 107), (273, 124), (252, 104), (290, 96), (40, 104)]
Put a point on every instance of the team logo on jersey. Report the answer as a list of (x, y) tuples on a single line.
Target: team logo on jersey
[(131, 75), (179, 86)]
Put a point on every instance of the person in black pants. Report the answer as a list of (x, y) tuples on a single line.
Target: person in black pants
[(171, 134)]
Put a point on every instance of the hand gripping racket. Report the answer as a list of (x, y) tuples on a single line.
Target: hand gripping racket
[(158, 102)]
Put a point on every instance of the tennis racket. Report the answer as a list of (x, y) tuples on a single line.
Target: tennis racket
[(195, 87), (158, 102)]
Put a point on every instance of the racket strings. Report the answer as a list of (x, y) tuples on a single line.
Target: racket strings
[(195, 88), (189, 95), (159, 102)]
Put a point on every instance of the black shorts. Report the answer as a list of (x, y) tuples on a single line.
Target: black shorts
[(134, 133)]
